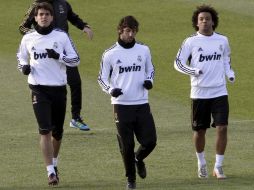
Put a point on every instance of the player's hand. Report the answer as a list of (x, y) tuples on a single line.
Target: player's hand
[(89, 32), (26, 69), (52, 54), (148, 84), (116, 92)]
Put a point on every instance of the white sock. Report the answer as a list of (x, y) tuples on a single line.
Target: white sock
[(55, 160), (50, 169), (219, 160), (201, 158)]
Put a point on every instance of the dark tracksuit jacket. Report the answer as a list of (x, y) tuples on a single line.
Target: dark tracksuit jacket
[(62, 14)]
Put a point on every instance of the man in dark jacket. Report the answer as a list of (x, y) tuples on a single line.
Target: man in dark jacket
[(62, 14)]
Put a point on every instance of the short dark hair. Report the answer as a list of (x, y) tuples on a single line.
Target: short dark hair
[(45, 6), (208, 9), (128, 21)]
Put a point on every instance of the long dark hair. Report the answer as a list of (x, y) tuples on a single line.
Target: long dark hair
[(128, 21)]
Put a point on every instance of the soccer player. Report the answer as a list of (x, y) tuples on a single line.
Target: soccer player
[(127, 74), (208, 57), (43, 55), (62, 14)]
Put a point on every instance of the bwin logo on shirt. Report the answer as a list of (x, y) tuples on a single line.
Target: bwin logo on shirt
[(214, 56), (40, 55), (133, 68)]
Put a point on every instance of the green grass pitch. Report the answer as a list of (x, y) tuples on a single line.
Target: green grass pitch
[(91, 160)]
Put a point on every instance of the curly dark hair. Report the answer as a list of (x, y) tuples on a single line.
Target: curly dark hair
[(128, 21), (208, 9)]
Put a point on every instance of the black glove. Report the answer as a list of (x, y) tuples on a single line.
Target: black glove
[(26, 69), (231, 79), (148, 84), (52, 54), (116, 92)]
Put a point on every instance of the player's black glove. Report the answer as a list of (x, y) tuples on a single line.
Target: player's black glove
[(26, 69), (148, 84), (231, 79), (116, 92), (52, 54)]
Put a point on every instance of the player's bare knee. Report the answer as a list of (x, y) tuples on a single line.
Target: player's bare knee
[(222, 129)]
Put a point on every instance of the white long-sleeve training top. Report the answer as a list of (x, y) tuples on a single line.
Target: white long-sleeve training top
[(127, 69), (44, 70), (211, 55)]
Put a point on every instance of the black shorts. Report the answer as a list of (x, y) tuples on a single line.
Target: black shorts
[(49, 104), (204, 109)]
